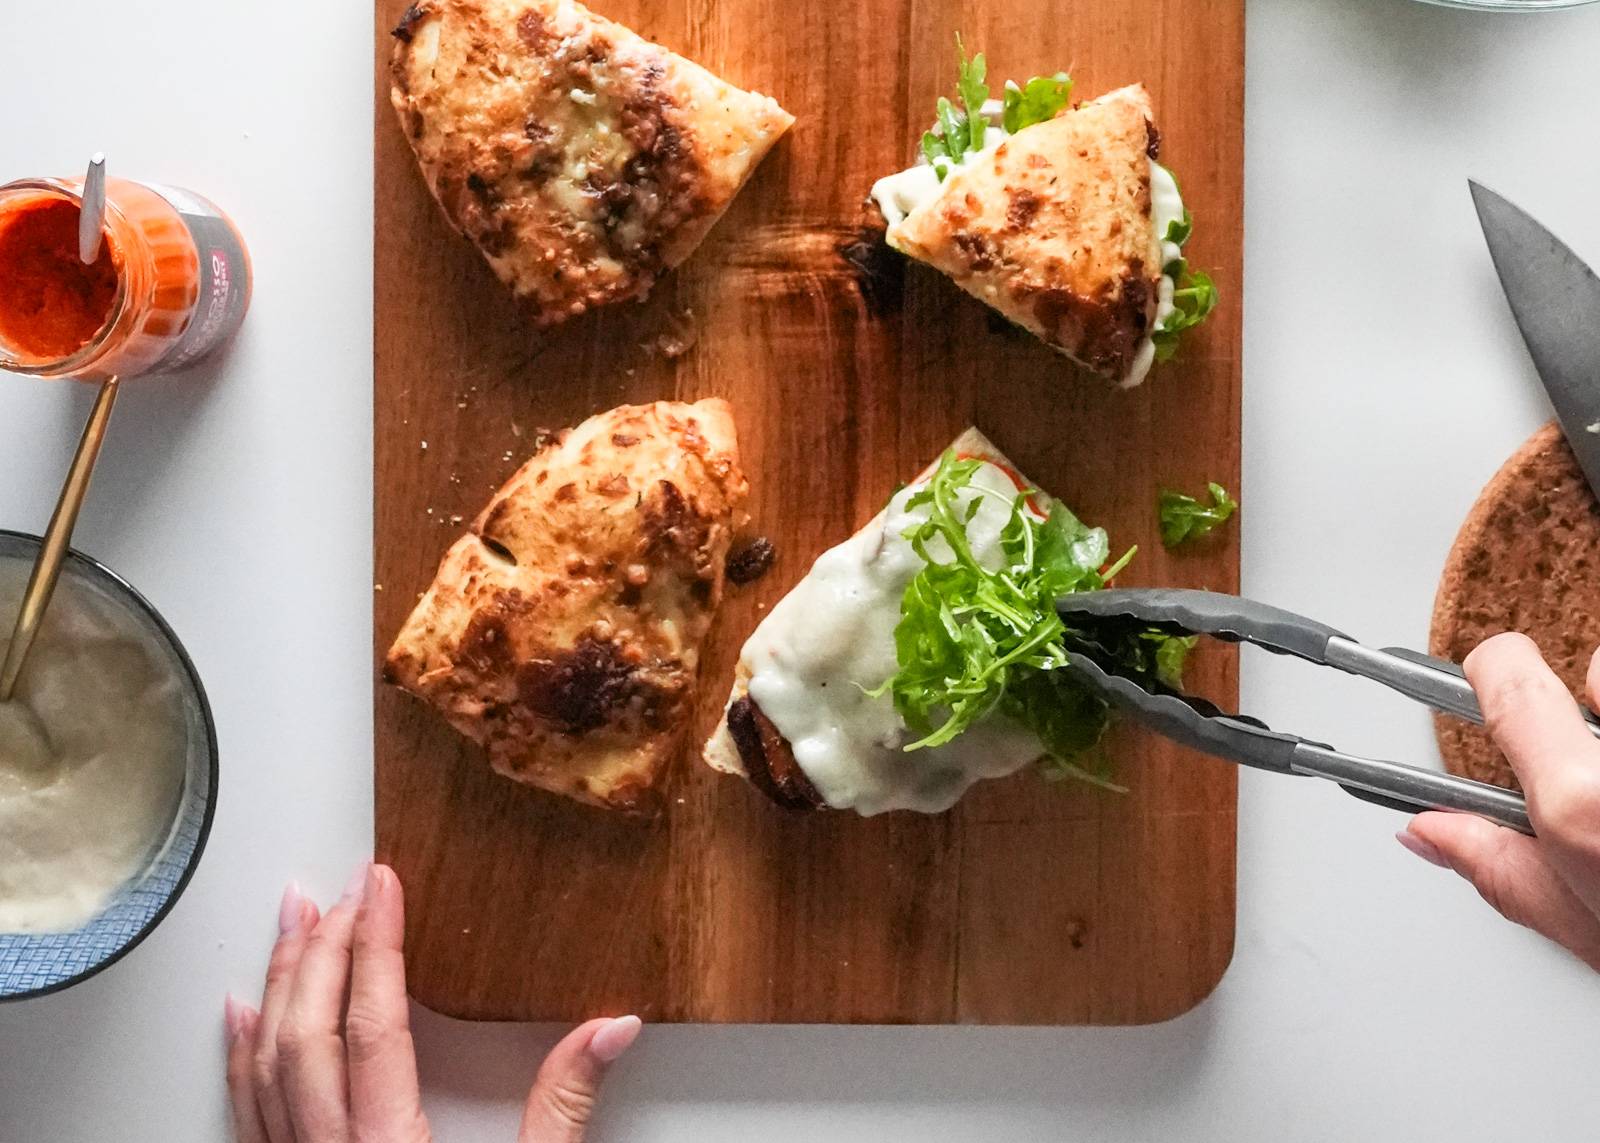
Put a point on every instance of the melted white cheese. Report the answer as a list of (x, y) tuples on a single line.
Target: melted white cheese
[(91, 760), (831, 640)]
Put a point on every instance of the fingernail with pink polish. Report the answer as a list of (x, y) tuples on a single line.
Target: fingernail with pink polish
[(356, 886), (290, 909), (612, 1039), (232, 1015), (1423, 849), (373, 884)]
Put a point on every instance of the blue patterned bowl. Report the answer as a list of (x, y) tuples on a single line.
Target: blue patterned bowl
[(32, 964)]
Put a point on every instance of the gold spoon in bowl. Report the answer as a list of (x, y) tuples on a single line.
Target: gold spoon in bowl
[(57, 537)]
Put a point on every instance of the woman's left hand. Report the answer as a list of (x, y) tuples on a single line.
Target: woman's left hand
[(328, 1058)]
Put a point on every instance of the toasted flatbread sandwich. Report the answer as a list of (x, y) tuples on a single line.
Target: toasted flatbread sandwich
[(1058, 216), (563, 631), (921, 655), (583, 160)]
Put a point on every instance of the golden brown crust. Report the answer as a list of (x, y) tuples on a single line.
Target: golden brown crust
[(563, 631), (1053, 229), (583, 160), (1526, 559)]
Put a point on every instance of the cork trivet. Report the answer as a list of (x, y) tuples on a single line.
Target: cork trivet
[(1526, 559)]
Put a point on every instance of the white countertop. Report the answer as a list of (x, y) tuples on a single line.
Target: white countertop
[(1371, 996)]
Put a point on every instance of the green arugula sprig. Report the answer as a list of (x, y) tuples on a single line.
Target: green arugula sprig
[(1041, 98), (1194, 294), (958, 130), (960, 125), (975, 640), (1185, 518)]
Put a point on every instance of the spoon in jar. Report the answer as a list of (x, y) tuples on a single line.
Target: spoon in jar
[(58, 535)]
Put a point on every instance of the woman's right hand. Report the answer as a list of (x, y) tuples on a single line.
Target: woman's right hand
[(328, 1057), (1550, 883)]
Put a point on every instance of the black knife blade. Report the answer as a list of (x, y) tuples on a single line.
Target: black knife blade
[(1555, 298)]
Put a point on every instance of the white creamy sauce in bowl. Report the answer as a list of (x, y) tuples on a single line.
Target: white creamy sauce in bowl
[(831, 640), (92, 758)]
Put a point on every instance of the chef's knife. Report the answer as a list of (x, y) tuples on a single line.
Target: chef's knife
[(1555, 298)]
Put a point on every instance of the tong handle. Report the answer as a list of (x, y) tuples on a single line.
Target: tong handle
[(1200, 726), (1412, 789), (1188, 611), (1437, 683)]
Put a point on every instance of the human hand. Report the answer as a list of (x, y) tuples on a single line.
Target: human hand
[(328, 1058), (1550, 883)]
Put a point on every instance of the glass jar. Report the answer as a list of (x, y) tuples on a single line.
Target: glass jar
[(182, 281)]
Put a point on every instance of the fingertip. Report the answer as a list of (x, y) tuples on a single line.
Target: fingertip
[(291, 909), (355, 888), (1417, 844), (382, 886), (1497, 646), (614, 1037), (380, 918), (1449, 840), (232, 1015)]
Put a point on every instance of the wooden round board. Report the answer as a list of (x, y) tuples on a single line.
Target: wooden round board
[(1526, 559)]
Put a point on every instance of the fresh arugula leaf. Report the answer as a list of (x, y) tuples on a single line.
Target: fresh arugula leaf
[(960, 125), (974, 93), (1179, 229), (975, 640), (1185, 518), (1195, 297), (958, 131), (1171, 654), (1037, 100), (1194, 294), (952, 127)]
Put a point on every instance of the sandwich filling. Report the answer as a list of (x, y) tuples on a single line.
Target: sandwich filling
[(926, 652), (819, 660)]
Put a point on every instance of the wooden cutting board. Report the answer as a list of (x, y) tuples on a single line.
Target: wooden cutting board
[(1029, 903)]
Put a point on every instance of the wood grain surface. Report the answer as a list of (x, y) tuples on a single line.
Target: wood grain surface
[(1029, 903)]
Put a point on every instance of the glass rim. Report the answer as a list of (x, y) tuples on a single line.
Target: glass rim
[(85, 354)]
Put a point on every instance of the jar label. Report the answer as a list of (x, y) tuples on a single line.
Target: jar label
[(224, 287)]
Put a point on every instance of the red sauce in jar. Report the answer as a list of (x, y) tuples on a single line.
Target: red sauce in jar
[(51, 304)]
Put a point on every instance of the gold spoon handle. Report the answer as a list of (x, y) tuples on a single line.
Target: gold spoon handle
[(57, 537)]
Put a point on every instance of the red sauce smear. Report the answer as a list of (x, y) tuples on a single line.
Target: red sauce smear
[(1032, 501), (1022, 486), (51, 304)]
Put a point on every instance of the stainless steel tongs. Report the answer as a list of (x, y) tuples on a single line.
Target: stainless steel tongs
[(1196, 723)]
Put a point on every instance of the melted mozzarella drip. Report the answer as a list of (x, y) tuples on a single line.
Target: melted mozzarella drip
[(831, 640)]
